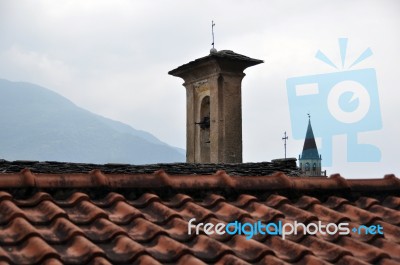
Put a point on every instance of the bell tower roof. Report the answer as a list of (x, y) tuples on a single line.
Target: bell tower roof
[(224, 60), (310, 150)]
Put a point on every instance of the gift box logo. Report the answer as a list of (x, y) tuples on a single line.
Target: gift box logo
[(343, 102)]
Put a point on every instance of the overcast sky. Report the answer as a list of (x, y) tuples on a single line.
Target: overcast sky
[(112, 58)]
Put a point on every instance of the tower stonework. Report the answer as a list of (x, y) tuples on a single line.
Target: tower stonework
[(214, 106)]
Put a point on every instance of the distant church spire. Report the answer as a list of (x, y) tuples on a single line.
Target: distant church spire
[(310, 150), (310, 160)]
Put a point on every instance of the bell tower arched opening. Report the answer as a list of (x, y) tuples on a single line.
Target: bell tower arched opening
[(205, 130)]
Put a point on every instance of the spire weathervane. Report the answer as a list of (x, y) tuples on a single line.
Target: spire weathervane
[(285, 138), (212, 32), (309, 116)]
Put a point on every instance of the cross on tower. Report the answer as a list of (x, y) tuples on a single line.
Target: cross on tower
[(285, 138), (212, 32)]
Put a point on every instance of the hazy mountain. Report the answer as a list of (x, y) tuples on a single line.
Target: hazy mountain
[(39, 124)]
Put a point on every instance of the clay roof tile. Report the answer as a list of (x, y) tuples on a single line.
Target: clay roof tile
[(107, 217)]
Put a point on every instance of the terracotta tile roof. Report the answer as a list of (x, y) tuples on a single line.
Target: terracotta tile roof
[(142, 218)]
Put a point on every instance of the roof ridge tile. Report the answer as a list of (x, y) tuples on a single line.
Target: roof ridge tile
[(226, 179), (341, 181), (28, 178), (162, 177), (393, 179), (276, 181), (220, 180), (388, 183), (99, 179)]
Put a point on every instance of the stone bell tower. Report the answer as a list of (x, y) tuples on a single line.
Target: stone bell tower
[(214, 106)]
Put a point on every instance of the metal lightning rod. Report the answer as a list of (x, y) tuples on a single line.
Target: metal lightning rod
[(212, 32)]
